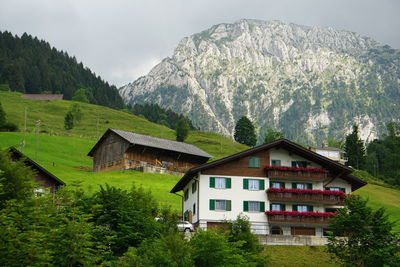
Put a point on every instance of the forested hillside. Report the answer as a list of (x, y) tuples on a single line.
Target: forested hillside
[(30, 65)]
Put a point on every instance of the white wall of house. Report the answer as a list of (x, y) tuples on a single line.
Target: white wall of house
[(237, 195), (188, 204), (287, 157), (340, 183)]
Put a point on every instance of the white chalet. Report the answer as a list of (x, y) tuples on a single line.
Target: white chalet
[(287, 191)]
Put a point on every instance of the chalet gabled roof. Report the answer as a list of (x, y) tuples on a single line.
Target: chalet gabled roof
[(283, 143), (18, 154), (155, 142)]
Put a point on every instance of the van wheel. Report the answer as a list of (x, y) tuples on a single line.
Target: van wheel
[(187, 230)]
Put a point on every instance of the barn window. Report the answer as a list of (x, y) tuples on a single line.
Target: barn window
[(254, 162)]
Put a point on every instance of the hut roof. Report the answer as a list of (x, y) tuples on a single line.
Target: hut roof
[(155, 142)]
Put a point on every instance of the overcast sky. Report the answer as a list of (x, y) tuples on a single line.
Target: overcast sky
[(123, 39)]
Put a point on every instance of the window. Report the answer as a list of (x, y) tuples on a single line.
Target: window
[(194, 187), (276, 230), (277, 207), (194, 208), (302, 208), (40, 191), (276, 162), (302, 185), (335, 189), (277, 184), (220, 182), (186, 194), (253, 184), (220, 204), (299, 164), (254, 162), (254, 206)]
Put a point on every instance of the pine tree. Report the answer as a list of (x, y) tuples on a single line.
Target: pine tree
[(355, 150), (245, 132), (182, 130), (3, 119)]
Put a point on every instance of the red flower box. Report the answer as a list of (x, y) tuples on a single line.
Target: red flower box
[(306, 191), (303, 214), (296, 169)]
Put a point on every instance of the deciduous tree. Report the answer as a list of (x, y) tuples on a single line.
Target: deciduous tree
[(272, 135)]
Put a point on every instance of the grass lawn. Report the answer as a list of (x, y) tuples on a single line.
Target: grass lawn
[(298, 256)]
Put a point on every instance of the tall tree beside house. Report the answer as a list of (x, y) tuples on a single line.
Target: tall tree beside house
[(369, 242), (355, 150), (245, 132), (182, 130), (272, 135)]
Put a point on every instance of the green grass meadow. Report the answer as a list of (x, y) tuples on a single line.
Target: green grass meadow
[(64, 153)]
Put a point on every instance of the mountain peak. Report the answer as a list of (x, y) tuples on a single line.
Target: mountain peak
[(281, 75)]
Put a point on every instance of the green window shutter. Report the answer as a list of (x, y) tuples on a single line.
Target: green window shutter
[(294, 185), (310, 208), (294, 164), (245, 206), (343, 190), (245, 183), (270, 206), (283, 207), (228, 183), (228, 205), (257, 162), (294, 208), (262, 206), (261, 184), (212, 182), (309, 186), (254, 162), (212, 204)]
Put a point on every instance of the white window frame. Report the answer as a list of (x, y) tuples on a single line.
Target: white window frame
[(253, 205), (279, 183), (220, 182), (219, 205), (254, 184), (276, 207), (302, 208)]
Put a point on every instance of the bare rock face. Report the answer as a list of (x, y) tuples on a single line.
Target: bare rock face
[(308, 82)]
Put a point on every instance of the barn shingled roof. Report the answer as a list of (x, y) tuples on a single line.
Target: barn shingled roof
[(151, 141)]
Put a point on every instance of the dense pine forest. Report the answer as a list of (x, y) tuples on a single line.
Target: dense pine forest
[(30, 65)]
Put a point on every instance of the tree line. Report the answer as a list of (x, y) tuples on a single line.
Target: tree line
[(30, 65)]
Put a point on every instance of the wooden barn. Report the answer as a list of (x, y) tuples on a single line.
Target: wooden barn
[(126, 150), (46, 180)]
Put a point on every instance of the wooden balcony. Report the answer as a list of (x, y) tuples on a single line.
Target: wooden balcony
[(288, 219), (296, 175), (306, 198)]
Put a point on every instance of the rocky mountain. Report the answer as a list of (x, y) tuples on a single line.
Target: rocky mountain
[(308, 82)]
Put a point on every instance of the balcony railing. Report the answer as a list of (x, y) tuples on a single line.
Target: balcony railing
[(296, 172), (299, 217), (307, 195)]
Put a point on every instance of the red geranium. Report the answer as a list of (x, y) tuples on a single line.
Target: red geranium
[(306, 191), (296, 169), (303, 214)]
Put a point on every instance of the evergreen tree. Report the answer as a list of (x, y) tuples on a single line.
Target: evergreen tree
[(369, 240), (69, 121), (4, 125), (355, 150), (80, 96), (182, 130), (272, 135), (245, 132)]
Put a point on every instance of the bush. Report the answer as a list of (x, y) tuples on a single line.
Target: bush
[(8, 127)]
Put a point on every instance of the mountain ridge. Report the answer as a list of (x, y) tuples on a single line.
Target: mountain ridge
[(309, 82)]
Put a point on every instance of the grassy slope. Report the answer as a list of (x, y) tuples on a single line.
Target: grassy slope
[(97, 119)]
